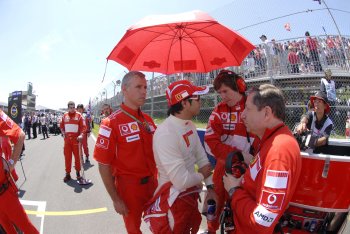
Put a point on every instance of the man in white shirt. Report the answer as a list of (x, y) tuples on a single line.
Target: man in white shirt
[(177, 148), (268, 52)]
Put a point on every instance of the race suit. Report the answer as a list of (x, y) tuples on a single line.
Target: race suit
[(85, 136), (5, 147), (11, 210), (225, 133), (268, 186), (72, 125), (177, 148), (126, 145)]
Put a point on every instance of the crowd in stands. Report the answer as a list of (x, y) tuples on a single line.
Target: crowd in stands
[(295, 56)]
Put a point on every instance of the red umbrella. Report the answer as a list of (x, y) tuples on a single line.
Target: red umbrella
[(187, 42)]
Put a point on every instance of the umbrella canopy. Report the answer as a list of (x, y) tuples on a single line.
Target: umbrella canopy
[(187, 42)]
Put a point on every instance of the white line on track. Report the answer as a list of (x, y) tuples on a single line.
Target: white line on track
[(41, 208)]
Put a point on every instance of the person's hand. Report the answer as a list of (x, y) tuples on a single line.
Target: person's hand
[(301, 128), (11, 167), (230, 181), (120, 207), (206, 171), (80, 138), (247, 157)]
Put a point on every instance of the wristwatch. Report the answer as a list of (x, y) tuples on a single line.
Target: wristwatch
[(11, 162)]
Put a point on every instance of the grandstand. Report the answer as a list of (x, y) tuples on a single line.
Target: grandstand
[(297, 86)]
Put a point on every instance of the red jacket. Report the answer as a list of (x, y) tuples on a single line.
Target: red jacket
[(269, 184), (72, 125), (10, 129), (223, 135), (125, 144), (311, 43)]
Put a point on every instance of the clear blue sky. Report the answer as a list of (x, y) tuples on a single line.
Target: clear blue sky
[(61, 45)]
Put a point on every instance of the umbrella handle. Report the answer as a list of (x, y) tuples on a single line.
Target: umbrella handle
[(81, 159)]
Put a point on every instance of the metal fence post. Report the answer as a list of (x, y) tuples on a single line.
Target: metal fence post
[(152, 95)]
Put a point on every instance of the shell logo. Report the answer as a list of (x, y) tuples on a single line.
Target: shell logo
[(233, 117), (134, 127)]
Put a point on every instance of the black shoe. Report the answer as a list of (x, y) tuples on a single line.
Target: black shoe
[(87, 160), (67, 178)]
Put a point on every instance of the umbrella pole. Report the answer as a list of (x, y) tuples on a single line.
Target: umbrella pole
[(24, 174), (82, 181)]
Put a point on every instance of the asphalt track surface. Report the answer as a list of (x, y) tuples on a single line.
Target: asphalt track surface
[(56, 207)]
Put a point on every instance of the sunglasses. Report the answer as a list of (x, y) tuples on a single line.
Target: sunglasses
[(195, 97), (71, 107)]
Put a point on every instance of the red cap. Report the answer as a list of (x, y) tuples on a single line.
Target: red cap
[(179, 90)]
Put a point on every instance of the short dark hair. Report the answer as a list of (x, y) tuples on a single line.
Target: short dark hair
[(226, 78), (177, 108), (307, 33), (80, 106), (270, 95), (71, 103)]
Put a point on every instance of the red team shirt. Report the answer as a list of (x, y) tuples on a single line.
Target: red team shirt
[(73, 124), (226, 131), (269, 184), (125, 144), (10, 129)]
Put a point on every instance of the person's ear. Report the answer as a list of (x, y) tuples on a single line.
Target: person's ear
[(123, 88), (185, 103), (268, 111)]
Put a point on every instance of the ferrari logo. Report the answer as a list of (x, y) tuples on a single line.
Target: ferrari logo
[(181, 95), (186, 137)]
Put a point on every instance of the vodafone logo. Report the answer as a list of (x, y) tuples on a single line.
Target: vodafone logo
[(271, 199), (125, 128), (224, 115), (102, 142)]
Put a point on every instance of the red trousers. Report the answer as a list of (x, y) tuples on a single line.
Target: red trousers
[(71, 145), (222, 195), (85, 144), (181, 217), (12, 213), (135, 195)]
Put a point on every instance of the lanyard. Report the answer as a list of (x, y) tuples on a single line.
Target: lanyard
[(144, 124)]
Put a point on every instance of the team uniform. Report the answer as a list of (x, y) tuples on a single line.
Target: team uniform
[(11, 210), (85, 137), (269, 183), (225, 133), (126, 145), (5, 147), (177, 148), (72, 125)]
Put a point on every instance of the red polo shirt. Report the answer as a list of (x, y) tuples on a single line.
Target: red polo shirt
[(125, 144), (10, 129)]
